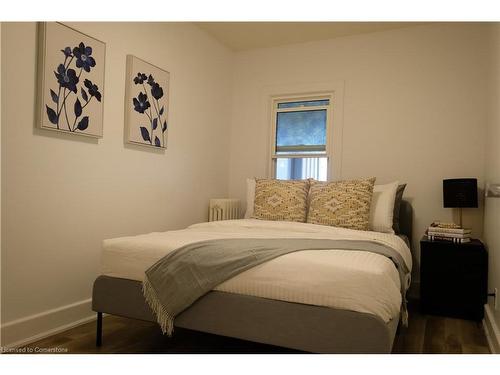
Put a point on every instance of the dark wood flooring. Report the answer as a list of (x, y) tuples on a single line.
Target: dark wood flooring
[(425, 334)]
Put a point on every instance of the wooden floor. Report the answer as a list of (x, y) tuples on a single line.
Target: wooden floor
[(425, 334)]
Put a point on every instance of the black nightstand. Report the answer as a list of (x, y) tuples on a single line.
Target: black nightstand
[(453, 278)]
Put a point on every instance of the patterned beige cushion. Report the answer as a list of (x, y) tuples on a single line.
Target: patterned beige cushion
[(284, 200), (343, 204)]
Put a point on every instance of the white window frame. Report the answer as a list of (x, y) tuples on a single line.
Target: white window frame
[(276, 100)]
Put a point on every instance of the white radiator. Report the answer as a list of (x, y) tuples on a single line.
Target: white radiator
[(224, 209)]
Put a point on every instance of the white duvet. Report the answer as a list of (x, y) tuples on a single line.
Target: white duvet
[(342, 279)]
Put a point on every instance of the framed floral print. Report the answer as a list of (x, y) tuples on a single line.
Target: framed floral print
[(70, 80), (146, 103)]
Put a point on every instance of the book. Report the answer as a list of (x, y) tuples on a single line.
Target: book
[(447, 234), (450, 230), (441, 224), (448, 239)]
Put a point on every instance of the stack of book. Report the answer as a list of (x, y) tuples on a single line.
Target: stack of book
[(439, 231)]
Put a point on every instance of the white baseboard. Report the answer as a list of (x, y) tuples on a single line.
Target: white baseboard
[(36, 327), (491, 330)]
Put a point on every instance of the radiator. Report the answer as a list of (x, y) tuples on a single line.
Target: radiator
[(224, 209)]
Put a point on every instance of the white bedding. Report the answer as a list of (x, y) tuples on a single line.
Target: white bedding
[(342, 279)]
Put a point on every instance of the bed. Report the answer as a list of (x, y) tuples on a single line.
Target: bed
[(300, 316)]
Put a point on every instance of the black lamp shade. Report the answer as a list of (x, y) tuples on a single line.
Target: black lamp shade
[(460, 192)]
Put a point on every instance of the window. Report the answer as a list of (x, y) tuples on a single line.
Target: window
[(300, 137)]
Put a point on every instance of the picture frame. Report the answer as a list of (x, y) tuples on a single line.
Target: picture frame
[(70, 72), (147, 102)]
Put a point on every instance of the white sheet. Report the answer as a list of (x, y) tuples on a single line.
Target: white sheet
[(342, 279)]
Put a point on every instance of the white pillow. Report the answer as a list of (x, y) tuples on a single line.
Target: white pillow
[(382, 207), (250, 197)]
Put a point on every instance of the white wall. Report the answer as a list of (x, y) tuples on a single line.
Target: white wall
[(1, 120), (414, 108), (62, 194), (492, 170)]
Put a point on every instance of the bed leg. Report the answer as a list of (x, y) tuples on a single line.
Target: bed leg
[(98, 336)]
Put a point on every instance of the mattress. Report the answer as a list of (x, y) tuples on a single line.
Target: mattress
[(350, 280), (405, 239)]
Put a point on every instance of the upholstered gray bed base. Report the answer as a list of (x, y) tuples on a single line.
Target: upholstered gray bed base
[(304, 327), (292, 325)]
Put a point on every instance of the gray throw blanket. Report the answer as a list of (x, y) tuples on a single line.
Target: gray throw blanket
[(177, 280)]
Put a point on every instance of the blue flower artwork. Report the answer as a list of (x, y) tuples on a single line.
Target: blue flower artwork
[(147, 103), (83, 58), (68, 80), (73, 76)]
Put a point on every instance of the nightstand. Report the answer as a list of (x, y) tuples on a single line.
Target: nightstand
[(453, 278)]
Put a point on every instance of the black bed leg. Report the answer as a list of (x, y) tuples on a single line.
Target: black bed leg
[(98, 336)]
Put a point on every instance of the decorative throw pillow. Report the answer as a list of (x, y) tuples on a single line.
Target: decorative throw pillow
[(250, 197), (343, 204), (283, 200), (382, 207), (397, 208)]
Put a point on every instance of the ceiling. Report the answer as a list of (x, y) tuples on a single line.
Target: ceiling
[(241, 36)]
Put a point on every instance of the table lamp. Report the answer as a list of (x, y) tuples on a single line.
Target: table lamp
[(460, 193)]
